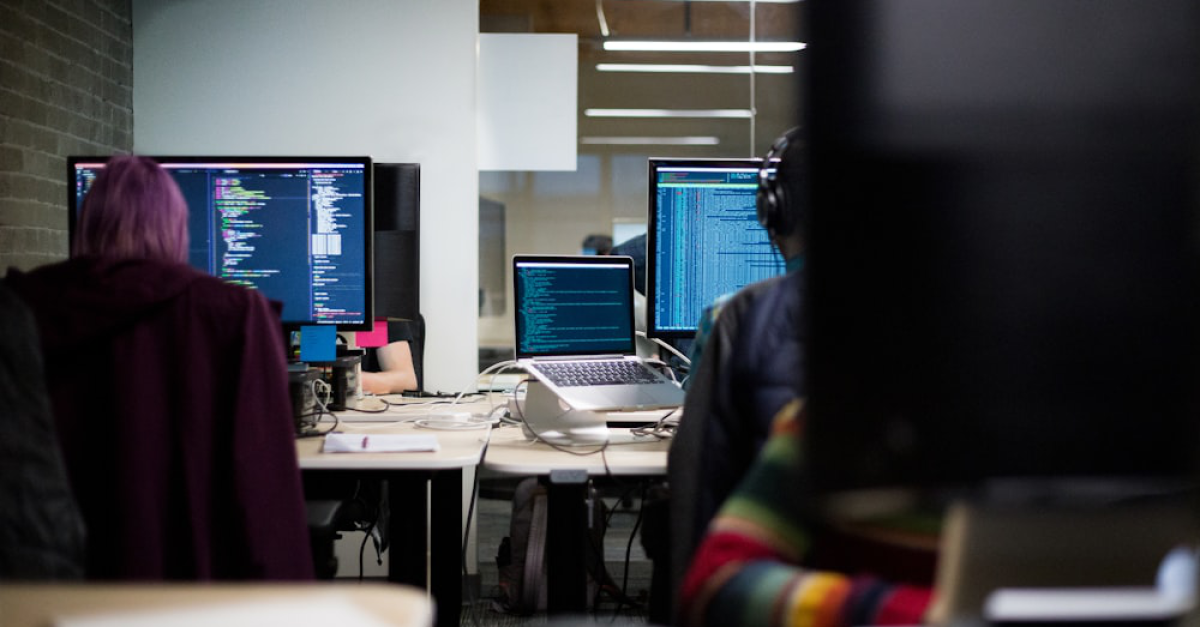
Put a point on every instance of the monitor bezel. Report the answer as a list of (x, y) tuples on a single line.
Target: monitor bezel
[(368, 225), (654, 164)]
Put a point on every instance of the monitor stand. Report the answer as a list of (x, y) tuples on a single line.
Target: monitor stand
[(987, 547), (546, 417)]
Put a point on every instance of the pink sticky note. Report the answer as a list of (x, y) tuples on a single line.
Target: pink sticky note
[(376, 337)]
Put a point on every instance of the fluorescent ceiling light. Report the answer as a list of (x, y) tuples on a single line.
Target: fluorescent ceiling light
[(667, 113), (651, 141), (703, 46), (693, 69), (758, 1)]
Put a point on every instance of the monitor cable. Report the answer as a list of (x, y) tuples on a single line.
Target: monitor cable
[(320, 388), (674, 351), (471, 598)]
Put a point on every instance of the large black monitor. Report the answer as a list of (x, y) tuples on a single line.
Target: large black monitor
[(297, 228), (704, 239), (1003, 263)]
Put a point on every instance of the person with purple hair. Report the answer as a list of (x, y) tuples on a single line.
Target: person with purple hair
[(169, 391)]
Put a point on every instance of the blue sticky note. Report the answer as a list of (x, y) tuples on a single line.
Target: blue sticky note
[(318, 343)]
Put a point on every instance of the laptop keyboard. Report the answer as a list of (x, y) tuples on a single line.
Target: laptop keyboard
[(616, 372)]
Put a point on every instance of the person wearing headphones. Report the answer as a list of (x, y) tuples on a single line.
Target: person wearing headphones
[(746, 363), (778, 212), (738, 539)]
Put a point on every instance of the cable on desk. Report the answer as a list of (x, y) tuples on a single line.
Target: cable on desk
[(453, 425), (438, 400), (419, 411), (361, 407), (495, 370), (319, 387), (664, 429), (538, 438), (672, 349)]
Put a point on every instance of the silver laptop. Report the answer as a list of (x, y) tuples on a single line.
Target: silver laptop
[(575, 333)]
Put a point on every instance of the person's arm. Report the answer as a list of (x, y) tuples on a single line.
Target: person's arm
[(747, 570), (397, 373)]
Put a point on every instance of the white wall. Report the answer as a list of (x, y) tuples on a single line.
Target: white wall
[(392, 79)]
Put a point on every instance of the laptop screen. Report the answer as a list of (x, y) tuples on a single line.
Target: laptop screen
[(573, 305)]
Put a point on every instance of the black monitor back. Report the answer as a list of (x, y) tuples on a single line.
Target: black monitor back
[(1004, 240), (398, 240)]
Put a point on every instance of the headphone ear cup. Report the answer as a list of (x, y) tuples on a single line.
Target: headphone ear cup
[(763, 206), (769, 208), (781, 219), (770, 202)]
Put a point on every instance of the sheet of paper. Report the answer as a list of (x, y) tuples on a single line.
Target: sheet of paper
[(380, 443), (313, 611)]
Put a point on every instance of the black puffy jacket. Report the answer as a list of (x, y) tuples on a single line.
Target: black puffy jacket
[(41, 529)]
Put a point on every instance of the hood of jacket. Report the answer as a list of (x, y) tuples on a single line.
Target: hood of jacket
[(87, 297)]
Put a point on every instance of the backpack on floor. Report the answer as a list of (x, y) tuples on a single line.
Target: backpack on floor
[(522, 555)]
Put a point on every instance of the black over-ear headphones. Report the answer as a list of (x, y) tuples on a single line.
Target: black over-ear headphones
[(772, 202)]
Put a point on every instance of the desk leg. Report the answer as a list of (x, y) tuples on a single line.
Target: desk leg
[(446, 577), (407, 562), (436, 567), (566, 541)]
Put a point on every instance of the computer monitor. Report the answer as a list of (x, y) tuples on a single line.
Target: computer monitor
[(704, 239), (1003, 268), (297, 228), (1002, 279)]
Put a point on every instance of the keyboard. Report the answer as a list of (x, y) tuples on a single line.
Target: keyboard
[(614, 372)]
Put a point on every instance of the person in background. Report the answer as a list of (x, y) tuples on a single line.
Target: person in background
[(389, 369), (747, 364), (596, 244), (767, 558), (780, 212), (169, 392)]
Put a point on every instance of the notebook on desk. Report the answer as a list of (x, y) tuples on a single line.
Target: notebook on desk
[(575, 333)]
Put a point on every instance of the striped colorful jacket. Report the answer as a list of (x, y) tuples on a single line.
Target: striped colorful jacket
[(747, 571)]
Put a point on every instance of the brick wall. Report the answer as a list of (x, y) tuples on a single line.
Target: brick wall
[(66, 88)]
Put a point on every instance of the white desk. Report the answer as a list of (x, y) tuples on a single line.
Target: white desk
[(425, 494), (40, 605), (458, 450), (511, 453)]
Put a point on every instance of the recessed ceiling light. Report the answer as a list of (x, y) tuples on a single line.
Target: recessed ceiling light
[(651, 141), (667, 113), (702, 46), (692, 69)]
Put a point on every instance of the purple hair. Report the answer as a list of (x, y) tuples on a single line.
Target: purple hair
[(133, 209)]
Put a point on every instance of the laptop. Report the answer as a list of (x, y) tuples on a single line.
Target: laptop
[(575, 333)]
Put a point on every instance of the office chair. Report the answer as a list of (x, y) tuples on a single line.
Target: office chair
[(335, 505), (417, 347)]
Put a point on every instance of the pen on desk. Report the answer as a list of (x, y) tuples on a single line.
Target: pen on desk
[(364, 444)]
